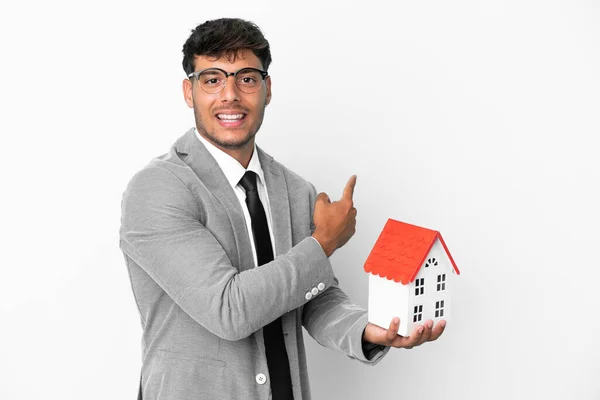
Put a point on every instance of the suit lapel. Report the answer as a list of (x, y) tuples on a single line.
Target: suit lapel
[(199, 159), (279, 201)]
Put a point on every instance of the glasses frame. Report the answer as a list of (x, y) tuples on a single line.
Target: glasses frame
[(196, 74)]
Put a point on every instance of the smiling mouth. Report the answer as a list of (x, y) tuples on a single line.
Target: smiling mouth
[(231, 117)]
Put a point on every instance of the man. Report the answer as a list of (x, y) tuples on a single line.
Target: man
[(228, 250)]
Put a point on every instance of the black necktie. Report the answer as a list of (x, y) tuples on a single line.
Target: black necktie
[(277, 359)]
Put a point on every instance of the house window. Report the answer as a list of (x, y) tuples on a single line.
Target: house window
[(418, 314), (419, 286), (439, 308), (441, 282), (431, 262)]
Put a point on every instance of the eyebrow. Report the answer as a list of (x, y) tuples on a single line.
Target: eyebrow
[(211, 72)]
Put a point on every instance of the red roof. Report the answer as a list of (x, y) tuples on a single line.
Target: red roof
[(400, 251)]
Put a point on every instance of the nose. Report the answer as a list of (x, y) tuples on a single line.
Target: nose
[(230, 92)]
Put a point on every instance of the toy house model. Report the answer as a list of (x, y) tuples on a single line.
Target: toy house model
[(410, 277)]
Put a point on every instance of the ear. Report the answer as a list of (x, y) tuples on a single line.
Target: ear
[(268, 83), (188, 94)]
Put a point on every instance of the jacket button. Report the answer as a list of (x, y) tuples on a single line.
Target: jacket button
[(315, 291), (308, 296), (321, 286), (261, 379)]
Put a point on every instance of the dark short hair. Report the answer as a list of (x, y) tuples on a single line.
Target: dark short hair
[(225, 37)]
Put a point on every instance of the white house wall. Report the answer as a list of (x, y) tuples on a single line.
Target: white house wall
[(431, 295), (387, 299)]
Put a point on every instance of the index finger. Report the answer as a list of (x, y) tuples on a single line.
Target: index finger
[(349, 189)]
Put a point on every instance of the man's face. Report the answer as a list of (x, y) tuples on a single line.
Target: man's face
[(210, 110)]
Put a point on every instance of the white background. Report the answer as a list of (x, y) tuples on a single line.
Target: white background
[(479, 119)]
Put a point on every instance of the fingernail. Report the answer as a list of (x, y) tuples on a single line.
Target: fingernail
[(396, 320), (420, 330), (429, 324)]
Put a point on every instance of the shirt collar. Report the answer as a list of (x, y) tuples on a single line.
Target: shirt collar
[(233, 170)]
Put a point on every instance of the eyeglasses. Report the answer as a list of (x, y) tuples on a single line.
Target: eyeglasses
[(213, 80)]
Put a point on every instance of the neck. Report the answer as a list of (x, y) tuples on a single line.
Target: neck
[(242, 154)]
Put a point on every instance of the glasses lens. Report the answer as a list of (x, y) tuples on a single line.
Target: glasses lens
[(212, 80), (248, 80)]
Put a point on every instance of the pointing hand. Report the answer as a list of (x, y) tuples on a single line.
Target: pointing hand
[(335, 223)]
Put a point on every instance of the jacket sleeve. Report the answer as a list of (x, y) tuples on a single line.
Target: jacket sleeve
[(162, 233), (336, 322)]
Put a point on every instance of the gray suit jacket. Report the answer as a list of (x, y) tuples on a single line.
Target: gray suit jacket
[(202, 302)]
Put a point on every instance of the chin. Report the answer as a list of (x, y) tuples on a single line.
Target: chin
[(229, 141)]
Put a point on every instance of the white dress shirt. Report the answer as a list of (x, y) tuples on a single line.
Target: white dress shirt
[(234, 171)]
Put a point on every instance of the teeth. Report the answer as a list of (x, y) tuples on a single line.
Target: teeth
[(230, 116)]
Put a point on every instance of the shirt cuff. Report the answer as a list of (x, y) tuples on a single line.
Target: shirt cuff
[(367, 353), (370, 350), (313, 238)]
